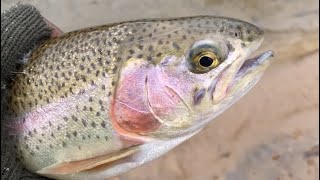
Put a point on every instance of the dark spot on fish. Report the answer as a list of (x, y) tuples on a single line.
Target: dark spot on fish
[(198, 96), (89, 136), (140, 46), (98, 114), (131, 38), (84, 79), (56, 75), (58, 128), (68, 135), (118, 59), (97, 136), (131, 51), (81, 67), (65, 118), (100, 61), (91, 109), (75, 133), (90, 99), (104, 73), (140, 56), (243, 45), (114, 40), (83, 137), (52, 135), (74, 118), (50, 146), (250, 38), (64, 144), (106, 138), (160, 42), (93, 124), (100, 51), (84, 108), (103, 124), (100, 102), (175, 45), (40, 141), (30, 104), (70, 90), (149, 58), (150, 48), (84, 122), (114, 69), (103, 87), (89, 71)]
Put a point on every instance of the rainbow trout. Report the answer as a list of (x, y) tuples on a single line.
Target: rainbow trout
[(100, 101)]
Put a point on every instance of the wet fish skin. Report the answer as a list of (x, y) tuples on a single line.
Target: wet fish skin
[(92, 92)]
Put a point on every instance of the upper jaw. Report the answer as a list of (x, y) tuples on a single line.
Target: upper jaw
[(254, 62)]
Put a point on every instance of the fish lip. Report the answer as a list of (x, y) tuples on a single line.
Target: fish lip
[(253, 63)]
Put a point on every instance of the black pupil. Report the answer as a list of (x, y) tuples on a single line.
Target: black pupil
[(206, 61)]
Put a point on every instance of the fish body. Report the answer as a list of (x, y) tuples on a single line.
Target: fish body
[(100, 101)]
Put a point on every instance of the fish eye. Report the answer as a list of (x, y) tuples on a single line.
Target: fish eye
[(207, 60), (205, 55)]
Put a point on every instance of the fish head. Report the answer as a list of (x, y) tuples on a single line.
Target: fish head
[(204, 67)]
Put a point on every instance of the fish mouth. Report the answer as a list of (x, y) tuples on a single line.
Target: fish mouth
[(253, 68)]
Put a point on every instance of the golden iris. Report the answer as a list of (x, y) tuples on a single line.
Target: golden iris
[(206, 60)]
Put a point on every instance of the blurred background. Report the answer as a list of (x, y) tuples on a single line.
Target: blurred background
[(270, 134)]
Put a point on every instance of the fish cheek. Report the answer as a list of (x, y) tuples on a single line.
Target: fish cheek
[(131, 109)]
